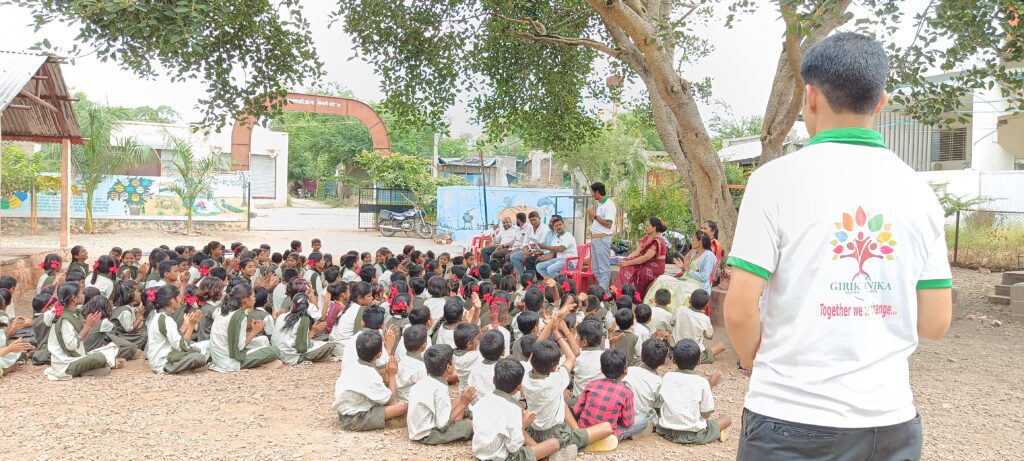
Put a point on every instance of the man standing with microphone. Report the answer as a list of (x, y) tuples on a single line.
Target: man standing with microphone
[(601, 229)]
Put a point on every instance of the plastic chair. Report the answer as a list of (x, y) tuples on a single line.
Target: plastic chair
[(478, 243), (582, 274)]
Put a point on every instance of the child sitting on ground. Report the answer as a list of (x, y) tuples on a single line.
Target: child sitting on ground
[(66, 341), (588, 364), (373, 320), (661, 317), (295, 330), (418, 316), (623, 337), (498, 428), (454, 311), (693, 324), (166, 348), (687, 403), (363, 397), (609, 400), (433, 418), (467, 356), (645, 382), (410, 364), (492, 348)]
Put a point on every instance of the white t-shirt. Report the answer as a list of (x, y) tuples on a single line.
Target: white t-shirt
[(566, 240), (844, 255), (538, 235), (605, 210)]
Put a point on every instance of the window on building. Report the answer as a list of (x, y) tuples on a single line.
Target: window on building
[(949, 145)]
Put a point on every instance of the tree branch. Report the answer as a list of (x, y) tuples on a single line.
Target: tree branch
[(560, 40)]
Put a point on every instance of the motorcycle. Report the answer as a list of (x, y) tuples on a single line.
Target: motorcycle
[(412, 221)]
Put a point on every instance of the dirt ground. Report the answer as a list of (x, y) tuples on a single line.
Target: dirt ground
[(967, 387)]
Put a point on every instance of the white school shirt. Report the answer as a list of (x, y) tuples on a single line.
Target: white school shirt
[(684, 395), (6, 361), (544, 396), (359, 387), (284, 339), (410, 371), (519, 238), (158, 347), (446, 336), (278, 296), (481, 377), (429, 407), (566, 240), (344, 328), (436, 306), (105, 285), (587, 369), (838, 325), (401, 352), (606, 210), (464, 363), (351, 353), (60, 360), (693, 325), (497, 427), (645, 384), (661, 319), (220, 356), (350, 276)]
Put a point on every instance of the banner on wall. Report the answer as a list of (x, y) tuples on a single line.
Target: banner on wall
[(460, 209), (139, 197)]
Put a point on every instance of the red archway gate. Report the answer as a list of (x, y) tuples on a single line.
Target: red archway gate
[(241, 134)]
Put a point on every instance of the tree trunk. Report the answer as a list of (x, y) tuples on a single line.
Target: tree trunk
[(780, 114), (34, 217), (88, 210)]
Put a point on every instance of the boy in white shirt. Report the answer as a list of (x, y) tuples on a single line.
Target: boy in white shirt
[(687, 403), (692, 323), (588, 364), (373, 320), (466, 354), (411, 368), (417, 316), (498, 428), (661, 318), (543, 390), (645, 382), (623, 338), (433, 419), (481, 376), (363, 398)]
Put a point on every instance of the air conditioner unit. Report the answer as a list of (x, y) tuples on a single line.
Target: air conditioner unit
[(937, 166)]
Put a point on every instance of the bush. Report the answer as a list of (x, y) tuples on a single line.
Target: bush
[(990, 240), (399, 171), (670, 202)]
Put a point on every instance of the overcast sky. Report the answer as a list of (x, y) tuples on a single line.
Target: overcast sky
[(742, 65)]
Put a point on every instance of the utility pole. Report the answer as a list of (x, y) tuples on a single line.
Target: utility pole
[(483, 184)]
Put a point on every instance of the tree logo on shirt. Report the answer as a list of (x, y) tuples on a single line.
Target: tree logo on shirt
[(862, 239)]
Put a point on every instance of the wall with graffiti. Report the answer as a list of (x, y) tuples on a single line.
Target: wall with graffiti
[(138, 197), (460, 209)]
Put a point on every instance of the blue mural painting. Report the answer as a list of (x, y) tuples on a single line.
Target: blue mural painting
[(460, 209)]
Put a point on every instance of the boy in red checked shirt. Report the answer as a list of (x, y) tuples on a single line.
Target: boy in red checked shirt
[(609, 400)]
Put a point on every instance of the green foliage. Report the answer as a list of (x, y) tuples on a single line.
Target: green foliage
[(639, 123), (951, 204), (21, 170), (725, 125), (247, 52), (737, 176), (612, 156), (987, 241), (670, 202), (196, 176), (399, 171)]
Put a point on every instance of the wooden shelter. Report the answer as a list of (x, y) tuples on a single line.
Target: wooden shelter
[(35, 107)]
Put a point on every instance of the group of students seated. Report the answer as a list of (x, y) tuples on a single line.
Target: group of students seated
[(536, 368)]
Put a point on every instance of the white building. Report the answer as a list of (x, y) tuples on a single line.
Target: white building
[(268, 167)]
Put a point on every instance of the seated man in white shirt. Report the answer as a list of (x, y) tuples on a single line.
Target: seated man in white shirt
[(501, 234), (536, 232), (513, 244), (563, 245)]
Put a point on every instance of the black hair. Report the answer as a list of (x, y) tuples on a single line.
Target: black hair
[(295, 245), (713, 226), (124, 292), (102, 267), (526, 345), (414, 337), (373, 317), (656, 223), (508, 375), (67, 292), (613, 363), (485, 271), (417, 284), (415, 255), (74, 276), (850, 69), (117, 250), (663, 297), (533, 299), (245, 262), (430, 266), (598, 291), (332, 274), (5, 297), (367, 273), (233, 301), (399, 305), (358, 290), (316, 257), (48, 264), (507, 283), (155, 257), (369, 344), (686, 354), (492, 344), (289, 274), (629, 290), (198, 258), (300, 308), (653, 353), (415, 270), (591, 331), (162, 297), (419, 315), (527, 321), (210, 289), (465, 333), (75, 251), (235, 281), (262, 295), (705, 240), (276, 258), (315, 241), (453, 310), (623, 302), (90, 292), (545, 356), (699, 299), (437, 358), (337, 289), (457, 269), (97, 304), (599, 188), (391, 264), (219, 273), (643, 313), (624, 319), (40, 301), (528, 278)]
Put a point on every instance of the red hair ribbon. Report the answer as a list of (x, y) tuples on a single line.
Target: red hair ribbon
[(565, 286), (606, 297), (487, 298), (528, 285), (58, 309), (462, 291), (114, 269), (475, 273), (191, 300), (636, 296), (400, 306), (311, 263), (41, 265), (392, 293), (54, 264), (496, 300), (476, 288), (616, 292), (96, 265), (204, 271), (151, 294)]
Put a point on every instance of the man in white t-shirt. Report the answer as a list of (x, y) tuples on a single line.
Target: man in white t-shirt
[(503, 236), (536, 233), (563, 245), (839, 265), (601, 230)]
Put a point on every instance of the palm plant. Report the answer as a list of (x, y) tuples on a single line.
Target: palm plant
[(100, 156), (196, 176)]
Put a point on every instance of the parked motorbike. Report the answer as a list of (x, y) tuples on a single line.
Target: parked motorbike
[(412, 221)]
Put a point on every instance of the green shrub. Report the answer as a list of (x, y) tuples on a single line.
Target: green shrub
[(670, 202)]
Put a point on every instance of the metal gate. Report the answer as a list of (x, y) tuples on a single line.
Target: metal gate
[(372, 200)]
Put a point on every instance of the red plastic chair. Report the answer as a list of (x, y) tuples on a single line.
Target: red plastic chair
[(583, 273), (477, 244)]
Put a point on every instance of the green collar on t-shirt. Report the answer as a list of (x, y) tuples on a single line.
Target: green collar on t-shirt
[(858, 136)]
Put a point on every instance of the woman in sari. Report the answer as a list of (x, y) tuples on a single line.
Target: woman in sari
[(647, 262), (696, 275)]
